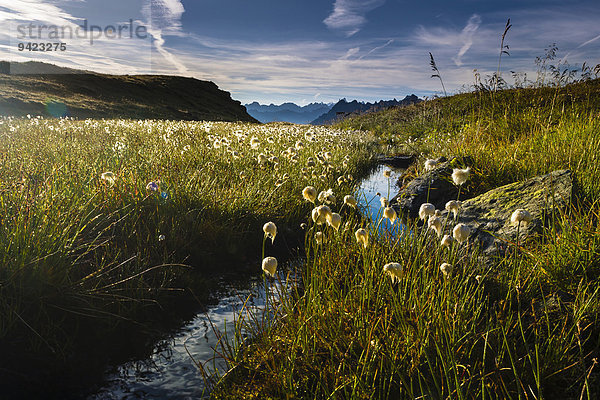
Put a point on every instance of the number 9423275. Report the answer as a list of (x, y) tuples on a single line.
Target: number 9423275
[(44, 46)]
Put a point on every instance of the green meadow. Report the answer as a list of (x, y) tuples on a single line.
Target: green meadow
[(526, 328)]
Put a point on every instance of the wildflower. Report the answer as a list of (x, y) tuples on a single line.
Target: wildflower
[(269, 265), (309, 193), (447, 241), (108, 177), (390, 214), (319, 237), (303, 226), (350, 200), (341, 180), (242, 175), (454, 206), (362, 236), (430, 164), (326, 196), (334, 220), (161, 238), (262, 158), (460, 176), (520, 215), (254, 143), (320, 213), (426, 210), (270, 230), (479, 278), (384, 202), (461, 232), (349, 178), (446, 269), (394, 270), (152, 186), (434, 222), (387, 173)]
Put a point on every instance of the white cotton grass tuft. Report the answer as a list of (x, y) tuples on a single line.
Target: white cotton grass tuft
[(334, 220), (350, 200), (319, 238), (270, 230), (390, 214), (430, 164), (362, 236), (394, 270), (161, 238), (309, 193), (108, 177), (461, 232), (320, 214), (447, 241), (426, 210), (326, 196), (520, 215), (384, 202), (387, 173), (454, 207), (460, 176), (434, 222), (269, 266), (446, 269)]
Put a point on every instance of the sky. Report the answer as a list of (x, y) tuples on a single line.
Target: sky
[(274, 51)]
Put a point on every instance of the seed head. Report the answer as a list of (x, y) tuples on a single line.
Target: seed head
[(520, 215), (390, 214), (350, 200), (460, 176), (394, 270), (426, 210), (270, 230), (362, 236), (461, 232), (269, 266), (309, 193)]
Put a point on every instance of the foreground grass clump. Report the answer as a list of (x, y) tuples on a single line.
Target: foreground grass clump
[(527, 328), (99, 219)]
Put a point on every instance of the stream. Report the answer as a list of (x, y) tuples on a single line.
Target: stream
[(171, 371)]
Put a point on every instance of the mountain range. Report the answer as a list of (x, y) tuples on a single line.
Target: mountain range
[(343, 108), (288, 112)]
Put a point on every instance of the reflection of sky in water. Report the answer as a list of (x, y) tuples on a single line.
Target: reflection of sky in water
[(369, 200), (170, 373)]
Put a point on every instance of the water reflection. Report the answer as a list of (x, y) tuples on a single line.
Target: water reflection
[(171, 371), (369, 195)]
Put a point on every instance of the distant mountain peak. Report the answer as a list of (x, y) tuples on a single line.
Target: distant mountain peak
[(343, 108)]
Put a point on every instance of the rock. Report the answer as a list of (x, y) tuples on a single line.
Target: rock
[(397, 161), (438, 182), (489, 214)]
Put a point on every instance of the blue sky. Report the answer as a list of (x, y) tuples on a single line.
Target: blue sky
[(313, 50)]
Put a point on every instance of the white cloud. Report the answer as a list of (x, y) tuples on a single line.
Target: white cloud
[(163, 17), (348, 16), (467, 36)]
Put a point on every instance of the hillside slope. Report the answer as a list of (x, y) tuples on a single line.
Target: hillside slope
[(93, 95)]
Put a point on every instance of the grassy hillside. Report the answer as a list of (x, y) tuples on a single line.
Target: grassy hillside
[(528, 327), (92, 95)]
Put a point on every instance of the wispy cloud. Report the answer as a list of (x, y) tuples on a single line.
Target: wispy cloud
[(163, 17), (348, 16), (376, 48), (467, 36)]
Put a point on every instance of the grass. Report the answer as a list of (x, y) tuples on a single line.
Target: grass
[(44, 89), (528, 328), (82, 254)]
